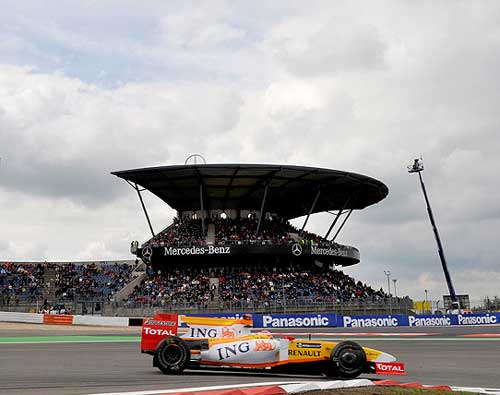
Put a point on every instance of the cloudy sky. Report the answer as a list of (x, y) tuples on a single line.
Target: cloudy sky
[(88, 87)]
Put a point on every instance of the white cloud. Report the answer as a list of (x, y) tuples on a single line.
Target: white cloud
[(359, 87), (325, 47), (62, 137), (201, 28)]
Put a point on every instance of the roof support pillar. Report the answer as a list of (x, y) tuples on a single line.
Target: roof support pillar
[(336, 218), (202, 211), (310, 211), (144, 209), (262, 209), (342, 225)]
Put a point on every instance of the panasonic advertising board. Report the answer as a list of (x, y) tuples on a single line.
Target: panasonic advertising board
[(324, 320), (311, 320), (372, 321), (395, 320)]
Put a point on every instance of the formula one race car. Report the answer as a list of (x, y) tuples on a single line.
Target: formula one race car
[(230, 344)]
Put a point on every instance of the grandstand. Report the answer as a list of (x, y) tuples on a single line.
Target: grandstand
[(83, 287), (90, 281), (21, 282), (249, 288), (231, 247), (230, 213)]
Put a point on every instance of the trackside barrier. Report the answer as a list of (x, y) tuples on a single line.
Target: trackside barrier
[(270, 321), (309, 320), (331, 320), (58, 319), (64, 319), (396, 320), (356, 321), (30, 318), (100, 321)]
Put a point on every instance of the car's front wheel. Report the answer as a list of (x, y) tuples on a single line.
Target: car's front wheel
[(348, 360), (172, 355)]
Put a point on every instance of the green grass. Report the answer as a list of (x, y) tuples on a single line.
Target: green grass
[(67, 339)]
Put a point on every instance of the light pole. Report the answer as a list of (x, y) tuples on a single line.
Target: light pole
[(394, 281), (426, 299), (418, 167), (388, 274)]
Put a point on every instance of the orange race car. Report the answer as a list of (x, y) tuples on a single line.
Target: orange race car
[(230, 344)]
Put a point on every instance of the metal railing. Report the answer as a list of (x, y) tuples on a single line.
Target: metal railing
[(99, 306), (71, 306), (348, 307)]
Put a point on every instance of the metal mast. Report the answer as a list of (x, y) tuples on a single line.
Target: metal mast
[(418, 167)]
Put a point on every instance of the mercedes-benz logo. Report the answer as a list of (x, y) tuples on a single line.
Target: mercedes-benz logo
[(296, 249), (147, 252)]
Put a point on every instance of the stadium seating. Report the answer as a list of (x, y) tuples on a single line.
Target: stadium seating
[(91, 280), (249, 287), (188, 232), (23, 283), (243, 230), (20, 282), (217, 288), (186, 287)]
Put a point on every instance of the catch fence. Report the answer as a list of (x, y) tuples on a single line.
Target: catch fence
[(100, 306)]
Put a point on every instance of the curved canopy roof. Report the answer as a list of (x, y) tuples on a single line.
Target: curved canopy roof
[(291, 189)]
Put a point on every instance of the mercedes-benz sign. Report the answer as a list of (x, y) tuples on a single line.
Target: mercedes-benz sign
[(147, 253), (296, 249)]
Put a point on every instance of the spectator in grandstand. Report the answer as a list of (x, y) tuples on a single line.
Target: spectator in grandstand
[(186, 288), (90, 280), (25, 283), (188, 232), (250, 287), (244, 231), (20, 282)]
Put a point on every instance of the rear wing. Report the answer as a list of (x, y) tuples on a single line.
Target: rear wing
[(212, 327), (154, 330), (161, 326)]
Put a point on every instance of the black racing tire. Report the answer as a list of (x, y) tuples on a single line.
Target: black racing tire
[(172, 355), (348, 360)]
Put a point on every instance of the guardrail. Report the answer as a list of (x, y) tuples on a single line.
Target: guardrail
[(276, 321), (63, 319)]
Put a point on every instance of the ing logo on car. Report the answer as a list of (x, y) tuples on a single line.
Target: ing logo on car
[(264, 345), (232, 350), (228, 333)]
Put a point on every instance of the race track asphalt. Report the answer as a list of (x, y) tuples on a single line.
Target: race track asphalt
[(110, 366)]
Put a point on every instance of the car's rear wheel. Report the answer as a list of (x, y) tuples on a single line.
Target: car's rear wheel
[(348, 360), (172, 355)]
